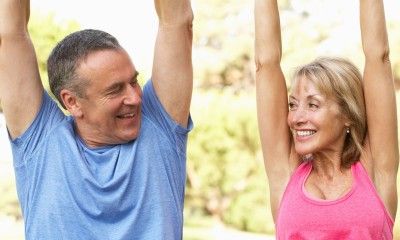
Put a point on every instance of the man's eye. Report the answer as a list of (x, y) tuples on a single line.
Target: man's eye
[(115, 90)]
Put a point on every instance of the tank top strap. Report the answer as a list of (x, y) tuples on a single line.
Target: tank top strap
[(301, 172), (297, 178)]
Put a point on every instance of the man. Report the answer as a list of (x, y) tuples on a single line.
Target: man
[(115, 168)]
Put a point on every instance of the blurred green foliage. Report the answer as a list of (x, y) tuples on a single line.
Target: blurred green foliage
[(226, 177), (223, 44), (46, 32)]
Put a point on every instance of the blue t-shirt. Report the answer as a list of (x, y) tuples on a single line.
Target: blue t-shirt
[(68, 190)]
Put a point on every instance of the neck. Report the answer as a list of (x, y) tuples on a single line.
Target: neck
[(327, 165), (86, 135)]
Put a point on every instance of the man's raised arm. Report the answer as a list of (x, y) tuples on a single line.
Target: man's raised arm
[(172, 67), (20, 86)]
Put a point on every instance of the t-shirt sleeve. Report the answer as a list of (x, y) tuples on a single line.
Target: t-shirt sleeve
[(153, 110), (48, 116)]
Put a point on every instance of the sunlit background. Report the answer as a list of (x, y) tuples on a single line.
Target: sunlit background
[(227, 191)]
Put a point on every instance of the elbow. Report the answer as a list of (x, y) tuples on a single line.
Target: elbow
[(268, 61), (381, 54), (186, 18), (176, 15), (14, 15), (188, 26), (385, 56), (190, 17), (185, 22), (189, 21)]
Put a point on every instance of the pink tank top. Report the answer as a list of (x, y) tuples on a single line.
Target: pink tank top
[(359, 214)]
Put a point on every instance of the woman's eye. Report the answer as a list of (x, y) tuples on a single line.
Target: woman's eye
[(292, 106), (313, 106)]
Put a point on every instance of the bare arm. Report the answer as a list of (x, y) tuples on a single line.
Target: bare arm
[(172, 66), (272, 103), (380, 102), (20, 86)]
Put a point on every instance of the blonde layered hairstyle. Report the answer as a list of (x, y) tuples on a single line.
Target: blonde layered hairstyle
[(340, 80)]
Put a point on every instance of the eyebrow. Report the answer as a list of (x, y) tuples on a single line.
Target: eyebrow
[(312, 96), (315, 96)]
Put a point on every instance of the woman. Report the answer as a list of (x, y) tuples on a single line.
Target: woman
[(331, 150)]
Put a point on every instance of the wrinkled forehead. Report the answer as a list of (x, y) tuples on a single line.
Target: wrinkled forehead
[(304, 85)]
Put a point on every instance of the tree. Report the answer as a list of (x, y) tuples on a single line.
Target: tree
[(223, 43)]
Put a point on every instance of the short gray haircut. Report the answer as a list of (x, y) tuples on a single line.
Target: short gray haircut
[(67, 56)]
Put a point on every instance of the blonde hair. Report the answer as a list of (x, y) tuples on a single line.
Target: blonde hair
[(340, 80)]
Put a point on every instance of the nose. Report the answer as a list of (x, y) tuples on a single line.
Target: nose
[(133, 95), (297, 117)]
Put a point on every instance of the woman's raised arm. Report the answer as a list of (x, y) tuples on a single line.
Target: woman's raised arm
[(380, 100), (272, 102)]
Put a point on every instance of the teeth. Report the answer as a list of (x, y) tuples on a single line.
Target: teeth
[(128, 115), (304, 133)]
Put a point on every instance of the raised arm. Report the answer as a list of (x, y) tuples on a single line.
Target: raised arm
[(380, 102), (272, 103), (20, 86), (172, 66)]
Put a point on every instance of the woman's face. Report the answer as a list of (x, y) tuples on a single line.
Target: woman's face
[(316, 122)]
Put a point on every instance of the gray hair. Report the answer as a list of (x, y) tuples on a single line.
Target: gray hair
[(68, 54)]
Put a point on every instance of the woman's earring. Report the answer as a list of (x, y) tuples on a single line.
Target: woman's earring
[(348, 130)]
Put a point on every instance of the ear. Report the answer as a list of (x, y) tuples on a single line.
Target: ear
[(346, 120), (71, 103)]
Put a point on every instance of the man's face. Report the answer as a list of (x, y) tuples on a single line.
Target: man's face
[(111, 108)]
